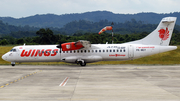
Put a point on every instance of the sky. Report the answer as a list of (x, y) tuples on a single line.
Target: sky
[(25, 8)]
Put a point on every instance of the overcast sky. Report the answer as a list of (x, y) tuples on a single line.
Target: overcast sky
[(24, 8)]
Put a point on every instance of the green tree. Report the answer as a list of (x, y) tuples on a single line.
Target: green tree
[(20, 41), (4, 42), (46, 36)]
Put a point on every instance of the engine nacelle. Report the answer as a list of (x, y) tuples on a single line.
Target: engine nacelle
[(71, 46)]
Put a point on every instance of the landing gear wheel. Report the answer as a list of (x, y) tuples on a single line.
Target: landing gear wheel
[(13, 63), (83, 63)]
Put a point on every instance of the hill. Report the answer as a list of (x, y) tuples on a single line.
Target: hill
[(52, 20), (81, 27)]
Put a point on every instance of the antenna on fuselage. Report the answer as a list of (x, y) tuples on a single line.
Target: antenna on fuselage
[(24, 44)]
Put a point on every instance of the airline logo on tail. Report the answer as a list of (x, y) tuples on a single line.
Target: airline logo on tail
[(164, 34)]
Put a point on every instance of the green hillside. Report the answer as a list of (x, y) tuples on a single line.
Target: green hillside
[(52, 20)]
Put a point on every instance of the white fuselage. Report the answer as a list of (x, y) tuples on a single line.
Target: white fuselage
[(82, 52), (97, 52)]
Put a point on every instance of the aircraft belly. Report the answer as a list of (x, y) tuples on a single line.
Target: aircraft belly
[(92, 58), (87, 59)]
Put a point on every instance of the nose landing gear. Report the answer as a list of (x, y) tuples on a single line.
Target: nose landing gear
[(13, 63)]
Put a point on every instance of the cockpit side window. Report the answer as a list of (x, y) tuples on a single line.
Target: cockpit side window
[(13, 50)]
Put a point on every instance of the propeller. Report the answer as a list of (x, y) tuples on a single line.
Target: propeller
[(59, 46)]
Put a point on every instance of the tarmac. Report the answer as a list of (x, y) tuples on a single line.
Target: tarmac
[(90, 83)]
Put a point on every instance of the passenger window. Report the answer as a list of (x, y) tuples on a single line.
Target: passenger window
[(106, 50), (99, 50), (88, 51), (92, 51), (120, 50), (124, 50), (110, 50), (84, 51), (77, 51), (103, 50), (81, 51), (74, 51), (63, 51), (66, 51), (70, 51), (96, 51), (113, 50), (117, 50)]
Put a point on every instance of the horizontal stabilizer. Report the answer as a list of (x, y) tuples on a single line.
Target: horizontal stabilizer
[(168, 20)]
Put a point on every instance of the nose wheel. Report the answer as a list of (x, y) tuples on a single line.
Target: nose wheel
[(13, 63)]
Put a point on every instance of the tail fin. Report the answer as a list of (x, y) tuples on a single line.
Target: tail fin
[(161, 35)]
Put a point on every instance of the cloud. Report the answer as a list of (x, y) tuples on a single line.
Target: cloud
[(23, 8)]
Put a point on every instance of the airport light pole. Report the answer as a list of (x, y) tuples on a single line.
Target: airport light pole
[(112, 31)]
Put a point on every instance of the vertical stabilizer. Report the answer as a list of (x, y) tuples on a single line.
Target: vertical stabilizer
[(161, 35)]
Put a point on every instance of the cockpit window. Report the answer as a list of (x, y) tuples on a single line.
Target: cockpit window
[(13, 50)]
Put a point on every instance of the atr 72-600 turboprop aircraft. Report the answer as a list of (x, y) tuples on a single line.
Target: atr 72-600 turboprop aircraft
[(82, 52)]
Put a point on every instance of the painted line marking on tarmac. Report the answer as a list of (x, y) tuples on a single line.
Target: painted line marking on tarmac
[(18, 79), (64, 81), (2, 87), (7, 84)]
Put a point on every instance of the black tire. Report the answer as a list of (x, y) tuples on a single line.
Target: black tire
[(83, 64), (13, 64)]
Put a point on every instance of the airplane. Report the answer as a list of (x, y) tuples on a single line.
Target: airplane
[(82, 51)]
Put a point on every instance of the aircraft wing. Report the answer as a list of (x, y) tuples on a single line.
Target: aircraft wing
[(75, 45)]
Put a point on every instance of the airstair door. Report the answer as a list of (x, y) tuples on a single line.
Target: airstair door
[(131, 51)]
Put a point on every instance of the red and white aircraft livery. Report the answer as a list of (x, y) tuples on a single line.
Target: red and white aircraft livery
[(82, 52)]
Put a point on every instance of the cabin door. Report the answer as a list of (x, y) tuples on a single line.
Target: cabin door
[(131, 51)]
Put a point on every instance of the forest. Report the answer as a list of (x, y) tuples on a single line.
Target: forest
[(81, 26), (46, 36), (79, 30)]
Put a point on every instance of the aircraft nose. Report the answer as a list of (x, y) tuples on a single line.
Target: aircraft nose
[(4, 57)]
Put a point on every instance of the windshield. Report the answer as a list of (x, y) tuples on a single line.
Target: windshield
[(13, 50)]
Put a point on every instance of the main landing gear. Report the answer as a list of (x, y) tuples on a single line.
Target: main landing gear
[(81, 62), (13, 63)]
